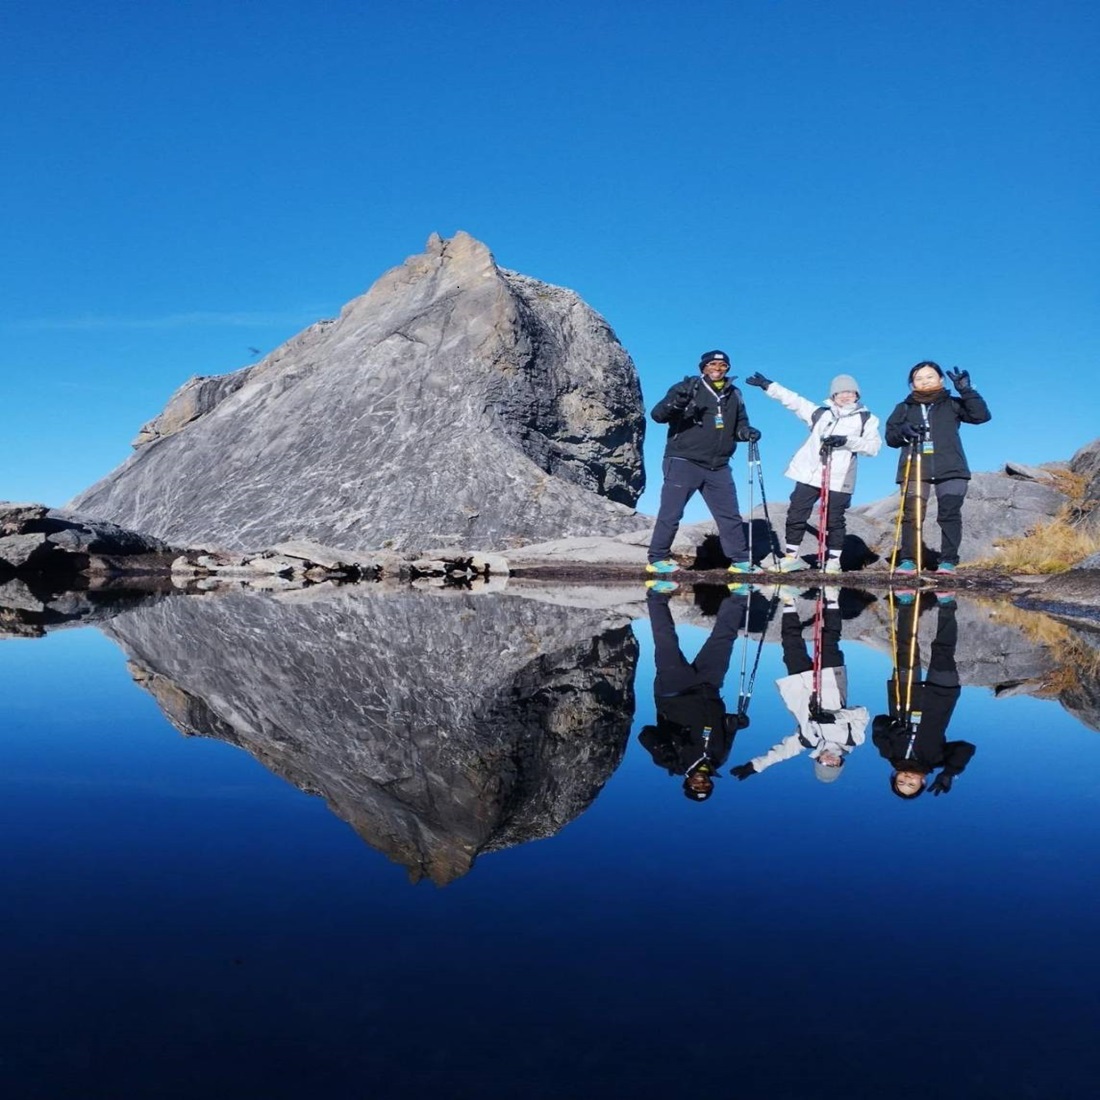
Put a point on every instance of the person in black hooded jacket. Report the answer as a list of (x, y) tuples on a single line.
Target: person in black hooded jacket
[(927, 421), (913, 736), (706, 419)]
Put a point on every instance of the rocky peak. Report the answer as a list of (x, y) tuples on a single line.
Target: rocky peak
[(455, 403)]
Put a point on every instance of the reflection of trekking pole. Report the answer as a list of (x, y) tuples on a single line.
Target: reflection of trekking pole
[(904, 709), (901, 507), (773, 538), (823, 506), (817, 712), (744, 691)]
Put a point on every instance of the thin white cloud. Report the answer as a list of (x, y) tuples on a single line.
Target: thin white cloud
[(197, 319)]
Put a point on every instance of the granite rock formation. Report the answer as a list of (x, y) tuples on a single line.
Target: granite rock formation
[(437, 728), (454, 404), (38, 541)]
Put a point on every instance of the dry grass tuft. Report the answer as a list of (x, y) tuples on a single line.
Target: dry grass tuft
[(1072, 486), (1048, 548), (1055, 546)]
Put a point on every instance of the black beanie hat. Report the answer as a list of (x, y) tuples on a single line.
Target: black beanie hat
[(927, 363), (710, 356)]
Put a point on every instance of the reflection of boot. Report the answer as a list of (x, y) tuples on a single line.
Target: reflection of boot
[(661, 588)]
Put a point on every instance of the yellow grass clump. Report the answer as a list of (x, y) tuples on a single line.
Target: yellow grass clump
[(1055, 546)]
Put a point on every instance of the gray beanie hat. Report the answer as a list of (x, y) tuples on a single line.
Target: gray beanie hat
[(825, 773), (843, 382)]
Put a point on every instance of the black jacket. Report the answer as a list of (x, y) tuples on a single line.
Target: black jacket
[(692, 430), (944, 417), (935, 703), (690, 726)]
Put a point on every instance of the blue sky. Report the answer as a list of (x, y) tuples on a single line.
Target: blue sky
[(815, 187)]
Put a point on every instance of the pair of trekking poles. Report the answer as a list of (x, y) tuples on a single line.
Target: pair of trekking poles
[(748, 678), (916, 447), (826, 455), (903, 698), (822, 504)]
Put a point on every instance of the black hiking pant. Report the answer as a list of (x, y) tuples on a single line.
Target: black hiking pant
[(683, 479), (796, 654), (675, 673), (950, 495), (803, 501)]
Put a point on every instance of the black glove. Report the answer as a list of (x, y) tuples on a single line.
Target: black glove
[(961, 378), (681, 398), (748, 434), (758, 379), (743, 771), (910, 433), (828, 442), (941, 784)]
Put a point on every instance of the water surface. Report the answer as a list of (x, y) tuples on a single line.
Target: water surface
[(416, 845)]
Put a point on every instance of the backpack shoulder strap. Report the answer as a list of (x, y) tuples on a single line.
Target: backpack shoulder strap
[(821, 410)]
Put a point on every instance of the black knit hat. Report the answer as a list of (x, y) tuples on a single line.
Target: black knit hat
[(926, 363), (710, 356)]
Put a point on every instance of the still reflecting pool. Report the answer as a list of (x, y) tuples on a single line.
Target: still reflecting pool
[(549, 842)]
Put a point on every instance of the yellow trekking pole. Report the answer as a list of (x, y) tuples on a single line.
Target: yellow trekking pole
[(918, 504), (901, 510)]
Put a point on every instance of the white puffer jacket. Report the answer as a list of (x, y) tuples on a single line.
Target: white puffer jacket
[(842, 735), (863, 439)]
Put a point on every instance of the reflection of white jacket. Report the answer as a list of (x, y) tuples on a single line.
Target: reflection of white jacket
[(841, 736), (846, 420)]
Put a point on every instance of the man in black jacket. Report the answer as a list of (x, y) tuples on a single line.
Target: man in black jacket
[(694, 733), (706, 419)]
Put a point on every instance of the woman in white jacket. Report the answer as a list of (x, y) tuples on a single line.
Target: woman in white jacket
[(840, 428)]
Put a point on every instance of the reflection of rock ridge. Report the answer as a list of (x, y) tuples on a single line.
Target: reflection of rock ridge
[(437, 728)]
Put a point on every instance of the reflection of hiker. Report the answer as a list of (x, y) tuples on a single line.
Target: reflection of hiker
[(912, 735), (926, 428), (827, 727), (693, 734), (706, 419), (841, 428)]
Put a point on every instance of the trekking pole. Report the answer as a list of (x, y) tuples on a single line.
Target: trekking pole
[(751, 451), (901, 507), (773, 538), (823, 507), (918, 502)]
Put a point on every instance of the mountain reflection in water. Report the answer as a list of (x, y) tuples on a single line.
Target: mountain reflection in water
[(437, 728)]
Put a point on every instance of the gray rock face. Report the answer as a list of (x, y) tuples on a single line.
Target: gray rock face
[(437, 728), (454, 404)]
